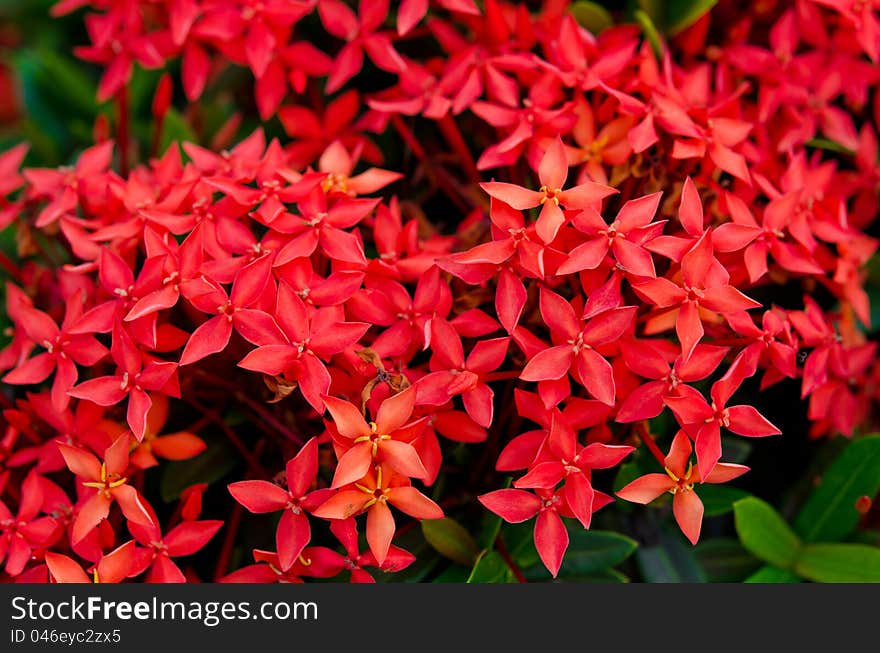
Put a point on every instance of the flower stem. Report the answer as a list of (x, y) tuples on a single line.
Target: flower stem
[(646, 437), (443, 179), (505, 554), (453, 136), (122, 129)]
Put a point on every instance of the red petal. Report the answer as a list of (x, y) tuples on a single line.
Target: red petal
[(190, 536), (510, 298), (414, 503), (64, 570), (708, 448), (342, 505), (33, 370), (353, 465), (395, 411), (210, 338), (578, 495), (291, 538), (402, 458), (512, 506), (690, 211), (118, 564), (551, 540), (515, 196), (552, 363), (90, 514), (549, 221), (646, 488), (745, 420), (259, 496), (688, 511), (348, 419), (302, 469), (380, 530), (596, 375)]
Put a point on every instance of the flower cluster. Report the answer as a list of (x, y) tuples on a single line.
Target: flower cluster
[(599, 233)]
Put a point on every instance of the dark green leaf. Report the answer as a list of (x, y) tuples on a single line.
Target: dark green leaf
[(839, 563), (724, 560), (651, 33), (590, 554), (606, 576), (674, 16), (593, 551), (671, 560), (594, 17), (771, 574), (490, 526), (830, 514), (175, 130), (208, 467), (451, 540), (520, 542), (453, 574), (827, 144), (719, 499), (764, 533), (681, 14), (490, 568)]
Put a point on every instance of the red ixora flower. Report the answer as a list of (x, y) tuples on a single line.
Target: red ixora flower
[(552, 173), (294, 532), (373, 494), (103, 484), (680, 480)]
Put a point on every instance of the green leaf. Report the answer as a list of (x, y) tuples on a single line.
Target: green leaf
[(490, 568), (208, 467), (451, 540), (520, 542), (175, 130), (674, 16), (764, 533), (771, 574), (828, 144), (590, 555), (681, 14), (453, 574), (829, 514), (594, 17), (593, 551), (719, 499), (651, 33), (606, 576), (669, 561), (490, 526), (839, 563), (724, 560)]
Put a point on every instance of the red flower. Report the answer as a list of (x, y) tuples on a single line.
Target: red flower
[(293, 532), (703, 421), (104, 483), (679, 480), (386, 441), (114, 567), (552, 173), (63, 350), (577, 341), (306, 336), (380, 487), (139, 374)]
